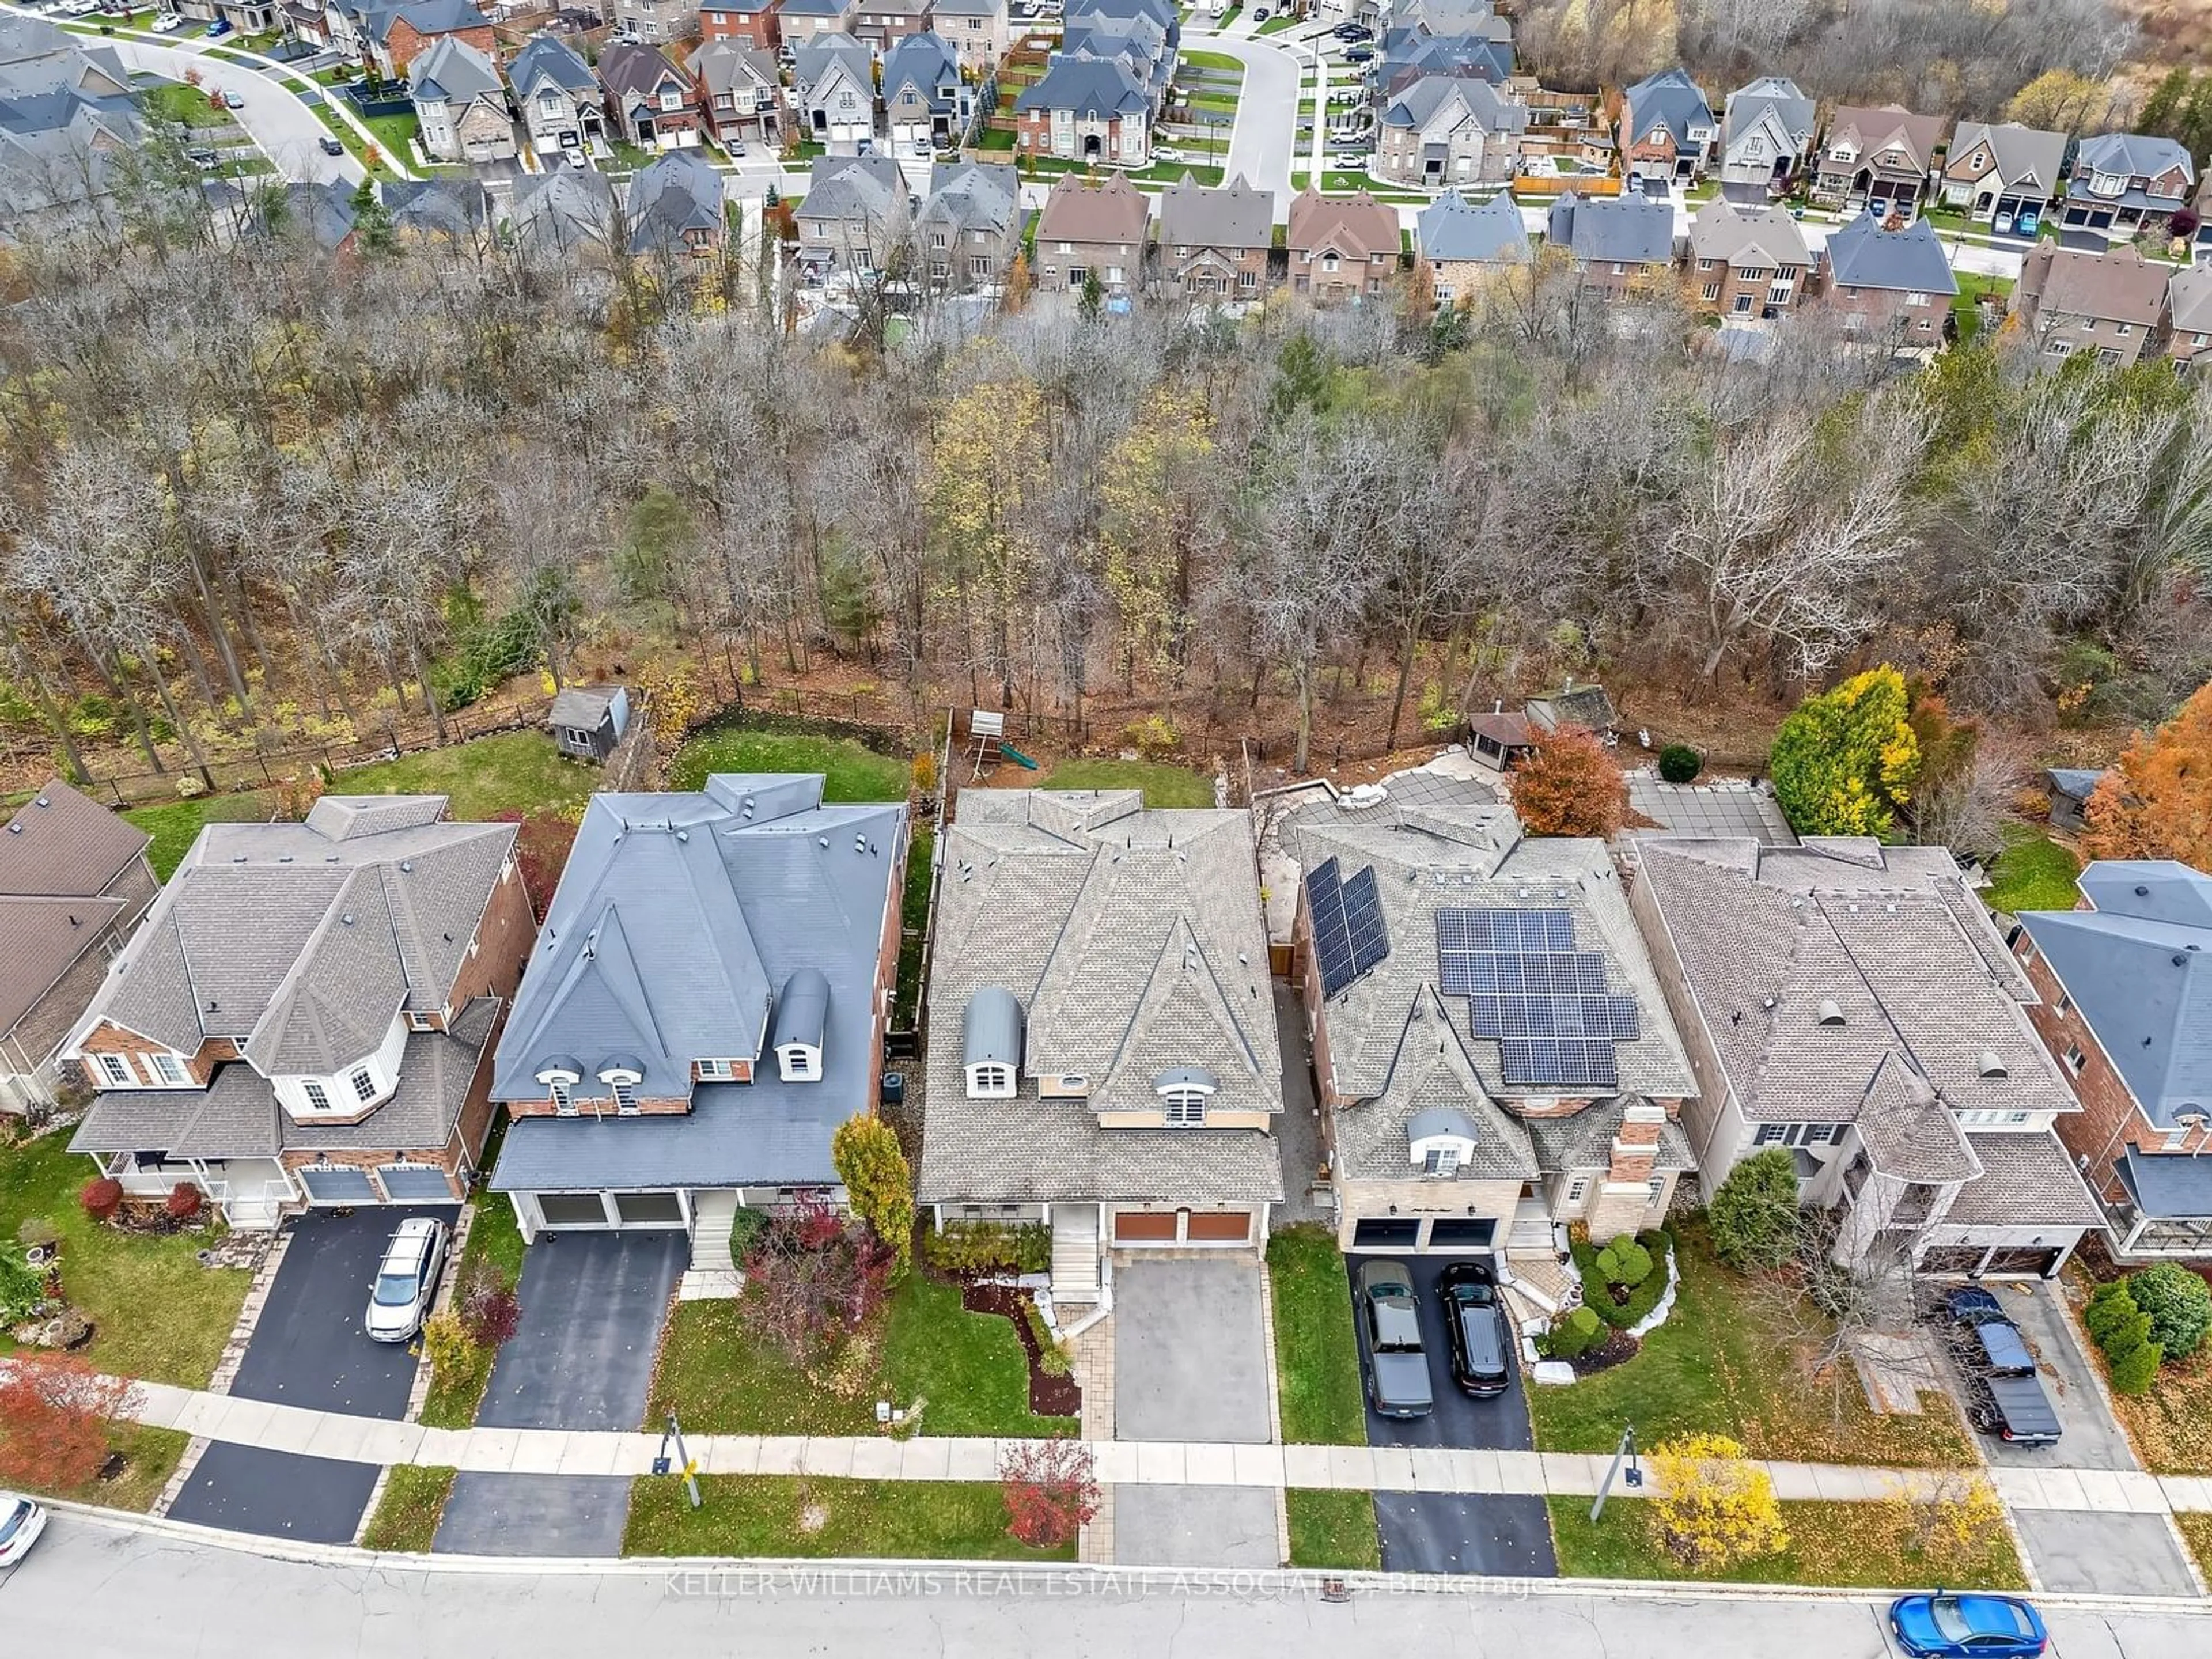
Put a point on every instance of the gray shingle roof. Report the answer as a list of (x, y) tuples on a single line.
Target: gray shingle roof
[(2132, 155), (1748, 235), (1431, 1072), (1770, 94), (436, 207), (928, 64), (973, 196), (2190, 295), (676, 194), (1234, 215), (628, 68), (562, 210), (1862, 254), (1418, 104), (1086, 84), (1667, 102), (583, 707), (2026, 1180), (1583, 1140), (1452, 227), (547, 57), (2021, 154), (813, 59), (2166, 1184), (726, 65), (452, 71), (58, 844), (2076, 783), (859, 190), (1132, 939), (1628, 230)]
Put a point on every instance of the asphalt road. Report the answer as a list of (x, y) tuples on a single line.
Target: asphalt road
[(90, 1587), (1260, 143)]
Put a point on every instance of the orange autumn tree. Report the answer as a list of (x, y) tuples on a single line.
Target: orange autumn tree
[(53, 1413), (1570, 786), (2157, 802)]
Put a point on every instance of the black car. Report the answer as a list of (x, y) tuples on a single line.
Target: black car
[(2005, 1395), (1358, 54), (1475, 1329), (1352, 32)]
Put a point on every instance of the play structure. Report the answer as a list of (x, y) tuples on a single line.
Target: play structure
[(988, 745)]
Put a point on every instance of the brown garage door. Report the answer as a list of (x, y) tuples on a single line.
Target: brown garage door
[(1137, 1227), (1220, 1227)]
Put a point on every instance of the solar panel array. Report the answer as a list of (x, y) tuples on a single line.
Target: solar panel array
[(1348, 931), (1542, 1002)]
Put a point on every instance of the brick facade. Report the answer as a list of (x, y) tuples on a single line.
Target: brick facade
[(404, 44), (755, 25), (1738, 290)]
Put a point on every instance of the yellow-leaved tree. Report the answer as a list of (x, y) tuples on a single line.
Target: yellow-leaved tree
[(1846, 759), (1714, 1507), (1151, 493), (987, 459)]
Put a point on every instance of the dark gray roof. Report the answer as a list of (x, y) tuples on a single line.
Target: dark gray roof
[(1452, 227), (991, 1028), (1587, 706), (451, 71), (767, 1132), (811, 60), (558, 211), (675, 195), (2132, 155), (1234, 215), (547, 57), (1432, 1121), (1862, 254), (927, 63), (1669, 101), (630, 69), (2076, 783), (585, 708), (425, 17), (1629, 229), (449, 206), (854, 189), (1770, 94), (2167, 1185), (1418, 104), (1085, 84), (973, 196)]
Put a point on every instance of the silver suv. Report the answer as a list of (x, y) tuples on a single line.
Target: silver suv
[(407, 1279)]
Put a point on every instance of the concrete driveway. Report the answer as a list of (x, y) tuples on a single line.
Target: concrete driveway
[(2103, 1552), (593, 1307), (2090, 1437)]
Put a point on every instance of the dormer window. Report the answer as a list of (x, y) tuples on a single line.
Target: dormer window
[(990, 1082), (802, 1019), (561, 1076), (1183, 1094), (1990, 1065), (364, 1085), (1440, 1161), (621, 1075), (1439, 1140), (991, 1043), (319, 1099), (564, 1103)]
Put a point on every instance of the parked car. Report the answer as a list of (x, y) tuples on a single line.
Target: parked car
[(737, 150), (1261, 16), (2005, 1395), (576, 160), (232, 101), (2028, 223), (407, 1279), (1167, 153), (1474, 1330), (203, 158), (1398, 1368), (1954, 1626), (864, 147), (1350, 32), (329, 145), (217, 29), (168, 23), (21, 1521), (1358, 54), (2001, 225)]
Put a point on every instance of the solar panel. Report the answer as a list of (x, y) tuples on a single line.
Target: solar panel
[(1348, 932), (1529, 990), (1564, 1062), (1363, 915)]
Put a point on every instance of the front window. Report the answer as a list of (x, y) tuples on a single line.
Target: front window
[(364, 1085), (2075, 1060)]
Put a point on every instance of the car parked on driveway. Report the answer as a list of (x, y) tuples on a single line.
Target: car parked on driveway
[(1954, 1626), (1398, 1368), (2005, 1395), (1474, 1330), (22, 1520), (407, 1279)]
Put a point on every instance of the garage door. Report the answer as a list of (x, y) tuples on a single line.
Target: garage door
[(409, 1183), (1378, 1234), (338, 1186), (1220, 1227), (1457, 1233), (1137, 1227), (648, 1210)]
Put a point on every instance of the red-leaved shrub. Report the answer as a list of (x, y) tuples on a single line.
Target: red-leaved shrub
[(486, 1306), (102, 1197), (183, 1202), (1051, 1489)]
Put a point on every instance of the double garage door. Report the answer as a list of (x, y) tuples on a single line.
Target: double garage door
[(1401, 1232), (611, 1210), (1142, 1227), (393, 1184)]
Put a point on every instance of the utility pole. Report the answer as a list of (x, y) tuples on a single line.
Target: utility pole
[(1625, 1452)]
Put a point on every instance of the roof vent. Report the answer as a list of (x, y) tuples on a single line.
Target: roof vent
[(1362, 796), (1766, 1002), (407, 864), (1831, 1012), (2180, 960), (1989, 1065), (822, 841), (684, 835), (235, 858), (2142, 892), (347, 920), (860, 843), (283, 858), (41, 801)]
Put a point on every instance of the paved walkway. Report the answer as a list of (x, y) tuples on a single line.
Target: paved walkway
[(228, 1418)]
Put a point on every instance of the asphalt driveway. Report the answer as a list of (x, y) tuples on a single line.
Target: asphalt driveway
[(1498, 1425), (315, 1500), (2103, 1552), (2090, 1437)]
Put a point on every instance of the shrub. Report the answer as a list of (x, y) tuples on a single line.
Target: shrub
[(988, 1247), (1051, 1490), (1568, 786), (1598, 1287), (2136, 1373), (1754, 1213), (2108, 1308), (1574, 1336), (486, 1304), (1712, 1505), (1153, 737), (183, 1202), (448, 1347), (1625, 1262), (101, 1197), (2131, 1336), (37, 1233), (925, 773), (53, 1428), (744, 1230), (2179, 1304), (22, 1287), (1846, 759), (2032, 803), (1678, 763), (866, 1151)]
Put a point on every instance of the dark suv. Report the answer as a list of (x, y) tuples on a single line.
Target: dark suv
[(1397, 1369), (2005, 1395), (1475, 1329)]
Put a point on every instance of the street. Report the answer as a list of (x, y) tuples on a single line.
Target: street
[(76, 1591), (1265, 133)]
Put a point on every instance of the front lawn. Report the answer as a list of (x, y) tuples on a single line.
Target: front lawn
[(189, 106), (512, 772), (2171, 1425), (969, 1368), (158, 1314), (407, 1515), (853, 771), (2196, 1532), (1840, 1546), (150, 1456), (1333, 1529), (778, 1515), (1316, 1356), (176, 824), (2033, 872), (494, 1237), (1215, 60), (1718, 1364), (1163, 786)]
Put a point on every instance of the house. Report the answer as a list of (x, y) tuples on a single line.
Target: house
[(2189, 313), (650, 101), (970, 228), (2069, 788), (674, 205), (389, 37), (1666, 127), (854, 214), (323, 213), (1467, 244), (705, 1005), (1459, 1114), (1500, 740), (1877, 159), (1091, 228), (1086, 108), (1617, 242), (2126, 181), (587, 721), (2112, 303), (1405, 56), (1136, 39), (563, 212), (803, 21), (1449, 129), (884, 23), (74, 882), (741, 90), (654, 23), (1341, 248), (1573, 708), (1746, 262), (2006, 173), (927, 104), (1851, 1004), (1103, 1052), (2126, 1003), (1766, 133), (452, 209), (460, 103), (833, 92), (758, 26), (58, 146), (306, 1016), (1893, 285), (977, 29), (558, 94), (1215, 242)]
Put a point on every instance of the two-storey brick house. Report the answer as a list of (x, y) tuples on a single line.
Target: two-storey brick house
[(1876, 159), (1342, 248), (1667, 128), (2113, 304), (1889, 286), (1747, 262), (1091, 228), (1215, 241)]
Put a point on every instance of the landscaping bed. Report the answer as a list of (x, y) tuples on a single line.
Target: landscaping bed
[(1333, 1529), (407, 1515), (1317, 1354), (774, 1515), (1050, 1394), (2170, 1427), (1864, 1545), (494, 1237)]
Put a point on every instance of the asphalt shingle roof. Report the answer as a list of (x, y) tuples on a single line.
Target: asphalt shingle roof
[(1667, 102), (1234, 215), (1862, 254), (1086, 84), (1770, 94), (1626, 230), (546, 57), (1452, 227), (60, 844), (1748, 235), (2132, 155)]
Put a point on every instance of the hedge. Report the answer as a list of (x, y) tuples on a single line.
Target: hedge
[(1597, 1296)]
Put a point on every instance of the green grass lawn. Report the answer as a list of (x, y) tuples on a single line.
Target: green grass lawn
[(1215, 60), (774, 1515), (853, 771), (150, 1456), (2033, 872), (407, 1515), (969, 1368), (187, 106), (176, 824), (494, 1237), (1163, 786), (1838, 1545), (158, 1314), (1277, 25), (1333, 1529), (351, 139), (1965, 309), (1316, 1359), (1716, 1364), (996, 138), (913, 916), (512, 772)]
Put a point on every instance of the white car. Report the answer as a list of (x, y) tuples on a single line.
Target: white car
[(21, 1521), (168, 23), (406, 1279)]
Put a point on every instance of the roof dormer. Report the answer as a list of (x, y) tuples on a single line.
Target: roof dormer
[(991, 1043)]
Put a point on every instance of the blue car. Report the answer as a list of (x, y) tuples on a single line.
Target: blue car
[(1967, 1626)]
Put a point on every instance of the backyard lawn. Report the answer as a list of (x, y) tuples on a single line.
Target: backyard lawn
[(777, 1515), (2033, 872), (1163, 786), (853, 771), (175, 825), (1717, 1365), (1840, 1546), (494, 1237), (1333, 1529), (158, 1314), (1316, 1359), (407, 1515), (512, 772)]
